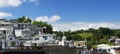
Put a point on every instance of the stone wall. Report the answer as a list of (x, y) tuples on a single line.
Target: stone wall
[(60, 50), (45, 50)]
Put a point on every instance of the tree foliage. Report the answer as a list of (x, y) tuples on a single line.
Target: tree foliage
[(24, 19), (86, 35), (117, 33), (104, 31), (42, 24), (93, 36)]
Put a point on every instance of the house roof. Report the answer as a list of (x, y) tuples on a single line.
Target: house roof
[(103, 46)]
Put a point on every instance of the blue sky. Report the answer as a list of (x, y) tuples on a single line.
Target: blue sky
[(67, 11)]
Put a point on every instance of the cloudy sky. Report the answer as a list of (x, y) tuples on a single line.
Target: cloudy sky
[(65, 14)]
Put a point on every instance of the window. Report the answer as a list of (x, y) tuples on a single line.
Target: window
[(109, 50), (37, 39), (45, 37), (54, 37), (11, 38), (100, 50), (4, 32)]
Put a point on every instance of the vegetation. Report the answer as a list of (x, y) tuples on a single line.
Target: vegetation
[(24, 19), (93, 36), (44, 24)]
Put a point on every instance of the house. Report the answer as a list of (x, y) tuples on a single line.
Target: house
[(103, 48), (63, 42), (4, 28), (19, 29), (79, 44), (3, 32), (14, 35), (10, 42), (41, 40), (115, 40), (72, 44)]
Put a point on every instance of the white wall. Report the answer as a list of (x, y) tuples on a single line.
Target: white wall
[(18, 33)]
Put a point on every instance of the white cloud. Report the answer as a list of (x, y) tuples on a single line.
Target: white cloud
[(4, 15), (51, 19), (24, 0), (73, 26), (10, 3), (34, 1), (16, 3), (84, 25)]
